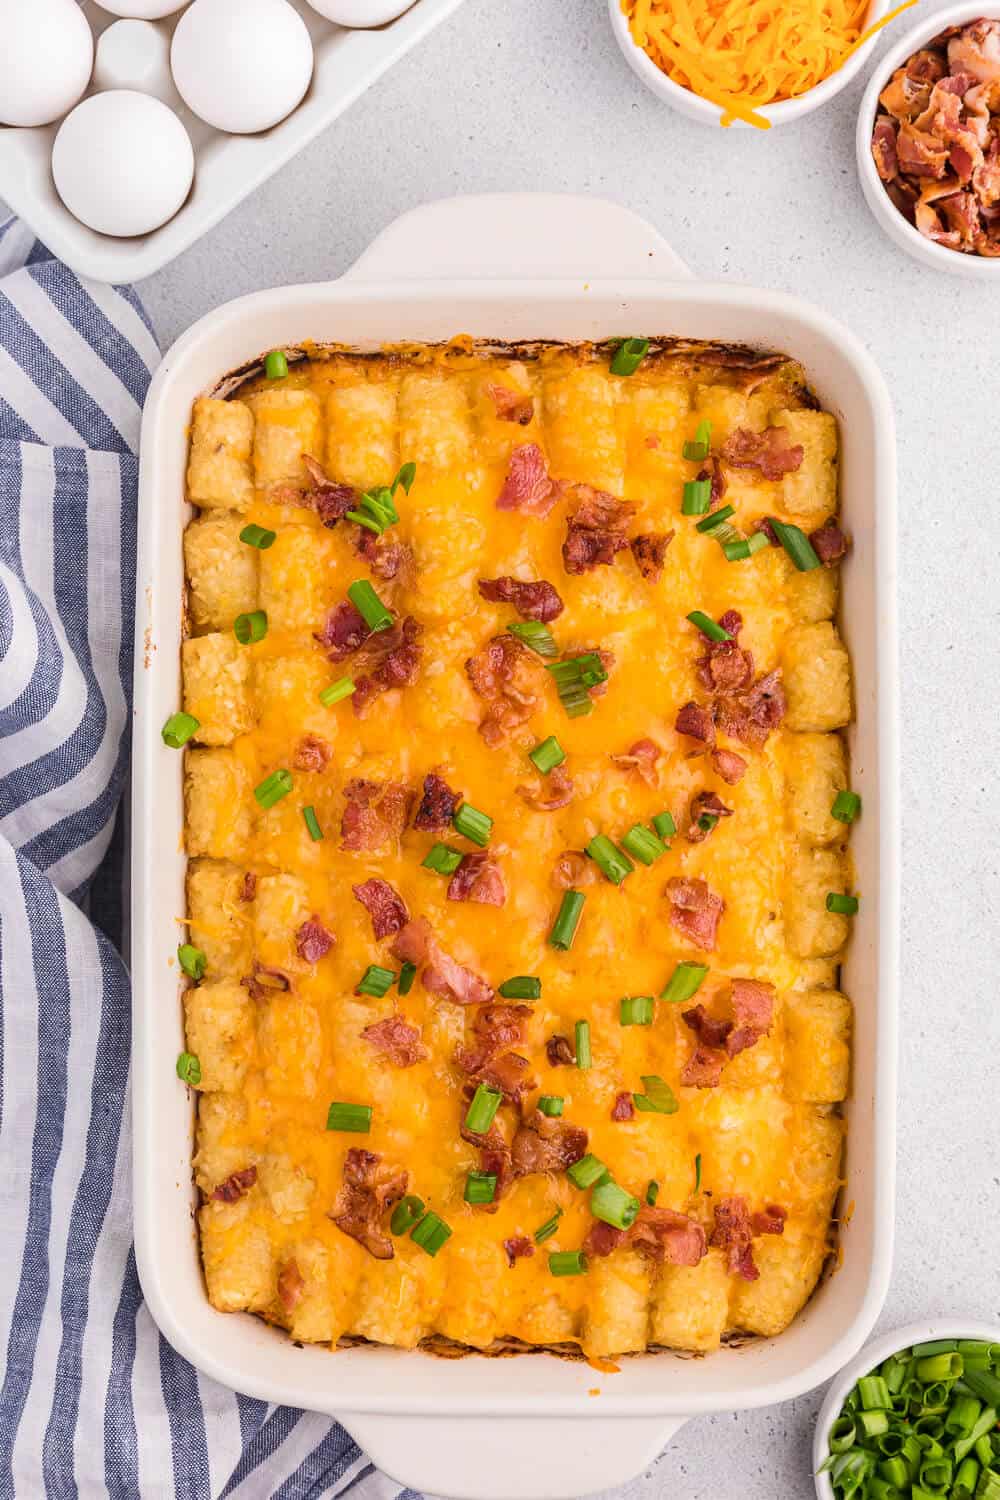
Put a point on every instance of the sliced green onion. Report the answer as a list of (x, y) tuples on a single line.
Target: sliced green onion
[(964, 1485), (192, 960), (407, 474), (708, 627), (697, 451), (873, 1393), (473, 825), (873, 1423), (353, 1117), (547, 1230), (983, 1385), (408, 1211), (652, 1191), (566, 923), (963, 1415), (715, 518), (697, 1172), (845, 905), (431, 1233), (377, 511), (614, 1205), (273, 788), (846, 807), (369, 605), (944, 1366), (582, 1038), (665, 826), (275, 365), (685, 981), (178, 730), (574, 677), (189, 1069), (407, 975), (795, 542), (442, 860), (480, 1187), (342, 688), (521, 987), (659, 1096), (707, 822), (375, 981), (258, 536), (568, 1262), (312, 823), (612, 863), (643, 845), (697, 497), (629, 356), (547, 754), (551, 1104), (250, 628), (745, 547), (637, 1010), (587, 1172), (842, 1435), (536, 636), (482, 1109)]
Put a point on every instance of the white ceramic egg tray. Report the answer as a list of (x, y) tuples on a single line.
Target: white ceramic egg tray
[(227, 167)]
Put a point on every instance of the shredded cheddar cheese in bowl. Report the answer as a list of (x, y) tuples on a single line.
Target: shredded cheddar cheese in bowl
[(742, 54)]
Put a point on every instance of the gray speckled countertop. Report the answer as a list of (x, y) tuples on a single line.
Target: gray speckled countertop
[(534, 95)]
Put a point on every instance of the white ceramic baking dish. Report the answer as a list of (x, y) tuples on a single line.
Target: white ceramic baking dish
[(535, 1426)]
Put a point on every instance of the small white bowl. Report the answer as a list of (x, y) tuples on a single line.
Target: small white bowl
[(873, 1354), (697, 108), (906, 236)]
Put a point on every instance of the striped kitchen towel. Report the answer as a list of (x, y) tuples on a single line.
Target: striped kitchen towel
[(94, 1401)]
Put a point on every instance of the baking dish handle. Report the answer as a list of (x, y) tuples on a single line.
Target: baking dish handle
[(512, 1458), (543, 236)]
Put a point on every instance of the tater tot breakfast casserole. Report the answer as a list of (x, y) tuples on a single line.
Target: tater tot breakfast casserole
[(517, 815)]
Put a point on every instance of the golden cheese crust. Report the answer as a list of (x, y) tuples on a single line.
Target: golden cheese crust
[(277, 1025)]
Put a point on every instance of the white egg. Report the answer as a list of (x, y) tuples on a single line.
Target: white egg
[(122, 162), (135, 55), (46, 54), (241, 65), (361, 12), (142, 10)]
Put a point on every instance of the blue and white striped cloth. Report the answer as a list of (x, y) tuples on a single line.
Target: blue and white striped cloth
[(94, 1401)]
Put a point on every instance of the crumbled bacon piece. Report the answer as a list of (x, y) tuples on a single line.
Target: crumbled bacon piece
[(534, 600), (769, 1220), (829, 543), (663, 1234), (478, 878), (556, 791), (330, 501), (752, 715), (437, 805), (312, 941), (509, 1075), (398, 663), (695, 911), (512, 406), (546, 1144), (884, 148), (345, 630), (291, 1285), (595, 532), (753, 1010), (623, 1107), (494, 1155), (768, 451), (262, 982), (499, 674), (235, 1185), (528, 487), (387, 560), (572, 869), (703, 1069), (733, 1233), (711, 1031), (705, 805), (713, 471), (650, 550), (559, 1051), (444, 976), (311, 754), (400, 1041), (727, 764), (641, 757), (696, 722), (517, 1246), (370, 1189), (248, 889), (499, 1025), (375, 814), (385, 906), (602, 1238), (726, 666)]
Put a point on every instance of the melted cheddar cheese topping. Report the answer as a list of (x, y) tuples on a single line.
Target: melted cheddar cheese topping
[(274, 1055)]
